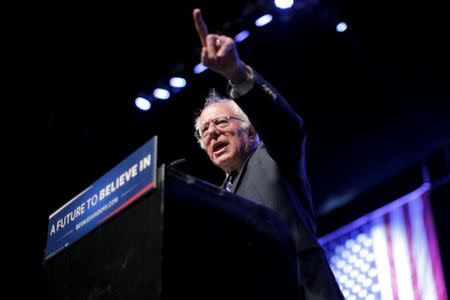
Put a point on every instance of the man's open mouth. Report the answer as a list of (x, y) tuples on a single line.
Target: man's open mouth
[(219, 146)]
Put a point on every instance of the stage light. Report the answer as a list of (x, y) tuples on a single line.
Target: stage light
[(264, 20), (177, 82), (199, 68), (162, 94), (142, 103), (241, 36), (284, 4), (341, 27)]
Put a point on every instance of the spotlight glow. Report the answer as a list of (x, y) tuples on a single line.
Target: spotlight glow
[(142, 103), (199, 68), (177, 82), (264, 20), (161, 94), (341, 27), (284, 4), (241, 36)]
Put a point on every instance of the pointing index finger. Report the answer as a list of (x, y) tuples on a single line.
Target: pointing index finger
[(200, 26)]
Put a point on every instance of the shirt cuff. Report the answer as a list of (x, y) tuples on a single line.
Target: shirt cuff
[(237, 90)]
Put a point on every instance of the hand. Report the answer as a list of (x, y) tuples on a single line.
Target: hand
[(219, 53)]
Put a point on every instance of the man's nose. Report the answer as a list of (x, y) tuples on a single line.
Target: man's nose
[(213, 132)]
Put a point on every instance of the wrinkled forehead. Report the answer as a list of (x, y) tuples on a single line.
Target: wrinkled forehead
[(216, 110)]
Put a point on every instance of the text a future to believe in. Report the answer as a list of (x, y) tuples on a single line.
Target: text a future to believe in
[(111, 188)]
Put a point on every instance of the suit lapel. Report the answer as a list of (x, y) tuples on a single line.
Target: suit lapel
[(238, 180)]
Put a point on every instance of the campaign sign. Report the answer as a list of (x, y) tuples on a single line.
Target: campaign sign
[(106, 197)]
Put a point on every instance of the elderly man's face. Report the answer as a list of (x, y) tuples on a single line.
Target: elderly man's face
[(227, 147)]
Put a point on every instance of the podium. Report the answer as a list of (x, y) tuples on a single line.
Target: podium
[(185, 239)]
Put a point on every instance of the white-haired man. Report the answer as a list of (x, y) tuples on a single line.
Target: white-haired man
[(259, 141)]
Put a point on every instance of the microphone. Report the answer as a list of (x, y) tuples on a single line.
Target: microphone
[(178, 162), (179, 165)]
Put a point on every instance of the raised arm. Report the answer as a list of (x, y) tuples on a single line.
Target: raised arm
[(219, 53)]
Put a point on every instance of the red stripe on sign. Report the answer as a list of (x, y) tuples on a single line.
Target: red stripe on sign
[(128, 202)]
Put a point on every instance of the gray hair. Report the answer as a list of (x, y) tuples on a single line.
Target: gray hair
[(214, 97)]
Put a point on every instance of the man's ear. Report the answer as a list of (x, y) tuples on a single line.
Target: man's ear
[(252, 132)]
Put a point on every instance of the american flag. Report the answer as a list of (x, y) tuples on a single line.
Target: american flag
[(389, 254)]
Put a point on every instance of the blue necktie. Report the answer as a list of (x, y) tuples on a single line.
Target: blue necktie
[(229, 181)]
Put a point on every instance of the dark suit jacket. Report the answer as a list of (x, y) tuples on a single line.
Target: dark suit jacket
[(275, 176)]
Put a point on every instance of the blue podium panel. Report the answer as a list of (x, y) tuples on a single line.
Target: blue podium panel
[(105, 198), (120, 259)]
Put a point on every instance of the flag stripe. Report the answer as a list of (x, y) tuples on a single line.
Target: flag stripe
[(422, 255), (434, 250), (401, 255), (390, 252), (381, 258), (411, 252)]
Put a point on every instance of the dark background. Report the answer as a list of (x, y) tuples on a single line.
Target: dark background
[(375, 99)]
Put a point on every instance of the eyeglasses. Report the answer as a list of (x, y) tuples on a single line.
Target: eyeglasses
[(219, 122)]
